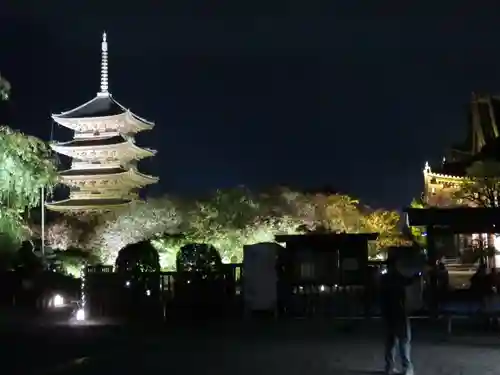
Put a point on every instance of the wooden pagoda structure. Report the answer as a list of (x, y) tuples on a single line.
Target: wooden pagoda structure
[(103, 174)]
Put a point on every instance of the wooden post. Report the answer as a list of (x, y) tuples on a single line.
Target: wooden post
[(432, 255)]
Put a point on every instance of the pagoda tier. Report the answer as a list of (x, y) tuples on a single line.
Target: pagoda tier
[(111, 148), (88, 205), (105, 178), (102, 115), (103, 175)]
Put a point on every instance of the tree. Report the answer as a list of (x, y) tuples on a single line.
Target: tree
[(417, 233), (481, 187), (26, 165), (388, 225), (64, 234), (338, 213), (141, 221), (232, 218)]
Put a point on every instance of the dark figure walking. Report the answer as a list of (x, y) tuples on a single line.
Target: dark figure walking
[(397, 322)]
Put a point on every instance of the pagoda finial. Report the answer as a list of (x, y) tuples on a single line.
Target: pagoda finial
[(427, 168), (104, 65)]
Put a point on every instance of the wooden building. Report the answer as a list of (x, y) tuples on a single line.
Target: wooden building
[(443, 181)]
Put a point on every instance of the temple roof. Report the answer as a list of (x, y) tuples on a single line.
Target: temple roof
[(453, 168)]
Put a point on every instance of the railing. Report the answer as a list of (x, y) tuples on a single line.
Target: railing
[(112, 293)]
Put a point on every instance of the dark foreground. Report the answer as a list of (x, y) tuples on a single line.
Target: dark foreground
[(237, 347)]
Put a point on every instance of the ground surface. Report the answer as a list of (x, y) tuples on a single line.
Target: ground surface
[(291, 347)]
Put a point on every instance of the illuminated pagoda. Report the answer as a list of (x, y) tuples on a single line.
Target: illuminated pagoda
[(103, 175)]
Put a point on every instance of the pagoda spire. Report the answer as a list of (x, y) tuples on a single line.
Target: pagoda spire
[(104, 66)]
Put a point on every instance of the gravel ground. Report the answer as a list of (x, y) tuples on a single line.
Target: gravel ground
[(289, 347)]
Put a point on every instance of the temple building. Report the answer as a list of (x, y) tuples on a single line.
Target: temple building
[(442, 181), (482, 142), (103, 175)]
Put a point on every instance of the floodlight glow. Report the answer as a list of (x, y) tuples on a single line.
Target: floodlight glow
[(58, 301), (80, 315), (148, 292)]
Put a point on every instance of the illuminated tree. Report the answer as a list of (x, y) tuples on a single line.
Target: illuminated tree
[(141, 221), (66, 233), (388, 225), (337, 213), (481, 187), (25, 167), (222, 220), (417, 233), (228, 220)]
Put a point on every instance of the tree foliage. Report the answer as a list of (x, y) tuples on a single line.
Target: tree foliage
[(230, 219), (25, 167), (388, 225), (481, 188), (418, 232), (141, 221)]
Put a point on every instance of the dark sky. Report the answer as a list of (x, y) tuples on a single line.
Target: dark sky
[(350, 95)]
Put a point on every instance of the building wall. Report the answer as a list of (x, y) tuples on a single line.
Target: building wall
[(439, 190)]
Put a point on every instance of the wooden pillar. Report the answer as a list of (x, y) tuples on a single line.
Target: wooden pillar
[(432, 253), (432, 256)]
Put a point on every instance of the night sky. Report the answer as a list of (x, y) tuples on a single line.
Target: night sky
[(352, 96)]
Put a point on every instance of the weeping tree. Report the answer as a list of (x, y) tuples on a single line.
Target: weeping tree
[(26, 166)]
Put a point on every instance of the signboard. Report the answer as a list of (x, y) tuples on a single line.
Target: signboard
[(260, 280)]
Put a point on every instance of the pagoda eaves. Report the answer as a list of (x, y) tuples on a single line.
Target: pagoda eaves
[(103, 149), (105, 178), (102, 114)]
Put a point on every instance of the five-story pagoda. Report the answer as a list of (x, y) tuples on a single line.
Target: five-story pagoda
[(103, 174)]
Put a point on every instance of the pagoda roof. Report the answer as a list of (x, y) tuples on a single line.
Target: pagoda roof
[(103, 105), (83, 174), (78, 148), (87, 204), (91, 142), (91, 172)]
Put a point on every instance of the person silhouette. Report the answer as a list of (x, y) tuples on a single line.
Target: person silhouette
[(396, 319)]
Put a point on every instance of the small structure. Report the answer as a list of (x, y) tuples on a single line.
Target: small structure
[(103, 174), (443, 223), (340, 259), (323, 273)]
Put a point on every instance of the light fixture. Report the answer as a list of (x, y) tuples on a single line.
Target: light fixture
[(80, 315), (58, 301)]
